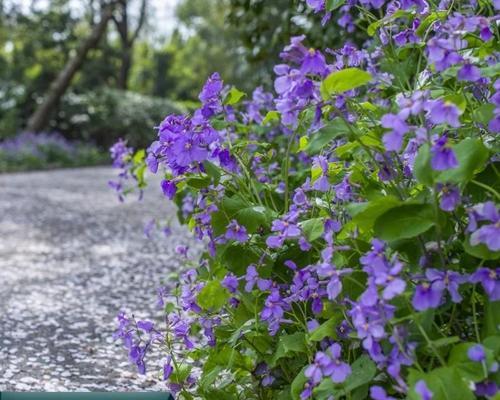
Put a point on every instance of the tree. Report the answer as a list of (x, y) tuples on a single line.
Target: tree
[(127, 38), (59, 86)]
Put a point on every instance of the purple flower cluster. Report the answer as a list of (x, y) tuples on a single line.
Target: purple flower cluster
[(341, 220)]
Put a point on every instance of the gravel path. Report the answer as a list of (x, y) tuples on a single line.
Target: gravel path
[(71, 257)]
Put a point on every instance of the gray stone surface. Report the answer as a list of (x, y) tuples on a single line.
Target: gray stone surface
[(71, 257)]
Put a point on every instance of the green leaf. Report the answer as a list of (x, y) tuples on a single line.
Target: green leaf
[(234, 96), (198, 182), (326, 134), (290, 345), (213, 296), (491, 326), (271, 116), (422, 166), (363, 371), (445, 383), (469, 369), (344, 80), (480, 251), (427, 21), (472, 156), (139, 156), (484, 113), (404, 222), (298, 384), (372, 28), (326, 329), (252, 218), (313, 228), (364, 217), (332, 5), (237, 257)]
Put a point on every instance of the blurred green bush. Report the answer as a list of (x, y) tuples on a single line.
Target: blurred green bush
[(101, 117)]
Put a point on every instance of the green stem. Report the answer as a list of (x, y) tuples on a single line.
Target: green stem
[(486, 187)]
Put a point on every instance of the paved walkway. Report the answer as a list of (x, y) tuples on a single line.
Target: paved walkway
[(72, 256)]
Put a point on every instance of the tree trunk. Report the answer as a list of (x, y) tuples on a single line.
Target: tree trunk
[(126, 62), (40, 117)]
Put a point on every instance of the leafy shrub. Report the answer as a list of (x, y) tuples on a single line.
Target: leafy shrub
[(105, 115), (351, 220), (29, 151)]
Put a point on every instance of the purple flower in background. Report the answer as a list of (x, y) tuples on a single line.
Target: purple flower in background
[(210, 97), (489, 233), (469, 73), (252, 278), (487, 388), (119, 151), (440, 112), (321, 184), (343, 190), (443, 157), (316, 5), (236, 232), (286, 228), (450, 197), (394, 139), (146, 326), (423, 391), (273, 311), (476, 353), (379, 393), (490, 280), (167, 368)]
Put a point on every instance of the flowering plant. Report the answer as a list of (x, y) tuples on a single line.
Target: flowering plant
[(351, 223)]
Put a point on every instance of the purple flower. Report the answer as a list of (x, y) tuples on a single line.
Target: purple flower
[(443, 157), (469, 73), (314, 63), (490, 280), (230, 282), (450, 197), (119, 152), (252, 279), (169, 188), (440, 112), (336, 369), (236, 232), (146, 326), (429, 294), (423, 391), (394, 139), (379, 393), (476, 353), (489, 234), (273, 311), (487, 388), (167, 368)]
